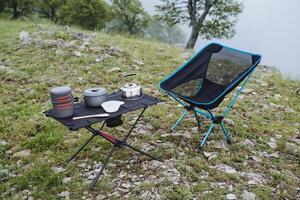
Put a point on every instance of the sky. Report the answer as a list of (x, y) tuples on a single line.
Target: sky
[(267, 27)]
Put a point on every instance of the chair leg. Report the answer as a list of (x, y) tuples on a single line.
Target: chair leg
[(206, 135), (226, 134), (197, 119), (179, 120)]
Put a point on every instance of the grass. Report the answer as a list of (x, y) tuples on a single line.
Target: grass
[(30, 73)]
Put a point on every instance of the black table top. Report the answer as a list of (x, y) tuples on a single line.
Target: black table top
[(81, 110)]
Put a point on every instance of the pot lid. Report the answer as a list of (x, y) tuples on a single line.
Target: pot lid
[(130, 86), (92, 92), (60, 91)]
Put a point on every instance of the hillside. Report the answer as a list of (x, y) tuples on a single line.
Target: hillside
[(263, 160)]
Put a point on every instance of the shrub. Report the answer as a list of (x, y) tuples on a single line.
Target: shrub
[(89, 14)]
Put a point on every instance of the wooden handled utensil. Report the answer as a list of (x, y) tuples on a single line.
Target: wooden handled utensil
[(91, 116)]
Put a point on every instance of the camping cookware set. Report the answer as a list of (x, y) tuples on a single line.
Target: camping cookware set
[(63, 101)]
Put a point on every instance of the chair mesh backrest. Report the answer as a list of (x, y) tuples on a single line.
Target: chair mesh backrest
[(216, 66)]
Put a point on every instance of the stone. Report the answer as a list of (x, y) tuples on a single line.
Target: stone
[(210, 155), (272, 144), (22, 154), (71, 44), (253, 178), (228, 121), (78, 53), (138, 62), (25, 38), (66, 179), (57, 170), (231, 196), (292, 149), (114, 69), (3, 143), (100, 197), (248, 195), (248, 143), (225, 168), (247, 91), (255, 158), (125, 185), (64, 194)]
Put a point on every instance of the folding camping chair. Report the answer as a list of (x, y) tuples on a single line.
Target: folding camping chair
[(201, 84)]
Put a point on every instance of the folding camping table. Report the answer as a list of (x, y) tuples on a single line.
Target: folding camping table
[(111, 121)]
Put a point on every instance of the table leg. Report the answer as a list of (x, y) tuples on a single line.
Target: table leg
[(94, 182), (82, 147), (141, 152), (133, 126)]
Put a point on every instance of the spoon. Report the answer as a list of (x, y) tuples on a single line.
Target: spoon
[(91, 116)]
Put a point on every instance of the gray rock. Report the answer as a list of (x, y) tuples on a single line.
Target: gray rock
[(23, 153), (78, 53), (66, 180), (231, 196), (114, 69), (3, 142), (228, 121), (292, 149), (272, 143), (57, 170), (247, 91), (210, 155), (254, 178), (248, 195), (225, 168), (64, 194), (100, 197), (25, 38)]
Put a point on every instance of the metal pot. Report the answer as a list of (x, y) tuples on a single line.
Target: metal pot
[(94, 97), (131, 91), (62, 102)]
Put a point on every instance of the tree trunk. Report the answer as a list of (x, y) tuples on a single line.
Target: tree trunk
[(52, 14), (15, 11), (193, 37)]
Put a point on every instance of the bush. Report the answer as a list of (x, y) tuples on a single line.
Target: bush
[(49, 8), (90, 14), (20, 7)]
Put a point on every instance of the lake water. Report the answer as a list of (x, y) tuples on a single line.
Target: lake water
[(268, 27)]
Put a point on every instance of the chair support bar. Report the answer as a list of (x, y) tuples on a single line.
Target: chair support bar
[(209, 114)]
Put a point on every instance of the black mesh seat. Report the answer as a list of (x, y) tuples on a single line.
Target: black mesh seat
[(202, 83), (205, 80)]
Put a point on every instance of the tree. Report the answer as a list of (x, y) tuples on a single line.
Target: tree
[(130, 16), (20, 7), (2, 5), (49, 8), (161, 31), (90, 14), (207, 18)]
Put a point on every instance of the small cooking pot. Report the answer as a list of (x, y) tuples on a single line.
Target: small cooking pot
[(131, 91), (94, 97), (62, 102)]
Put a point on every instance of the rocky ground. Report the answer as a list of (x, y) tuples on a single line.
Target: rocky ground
[(262, 162)]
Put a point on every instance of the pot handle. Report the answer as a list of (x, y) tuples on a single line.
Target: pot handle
[(131, 74)]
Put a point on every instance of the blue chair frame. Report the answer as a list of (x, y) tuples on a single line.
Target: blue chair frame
[(207, 113)]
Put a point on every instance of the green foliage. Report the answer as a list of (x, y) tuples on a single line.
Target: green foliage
[(49, 8), (210, 19), (179, 193), (3, 4), (20, 7), (129, 17), (89, 14), (161, 31)]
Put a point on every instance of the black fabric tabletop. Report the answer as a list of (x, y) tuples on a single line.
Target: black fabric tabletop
[(81, 110)]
